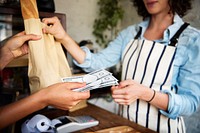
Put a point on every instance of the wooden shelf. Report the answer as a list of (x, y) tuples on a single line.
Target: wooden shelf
[(19, 62)]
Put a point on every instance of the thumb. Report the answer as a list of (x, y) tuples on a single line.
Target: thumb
[(83, 95), (74, 85), (46, 30)]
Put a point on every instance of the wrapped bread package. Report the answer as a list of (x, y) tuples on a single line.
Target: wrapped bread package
[(47, 60)]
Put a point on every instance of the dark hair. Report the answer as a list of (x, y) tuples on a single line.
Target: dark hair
[(177, 6)]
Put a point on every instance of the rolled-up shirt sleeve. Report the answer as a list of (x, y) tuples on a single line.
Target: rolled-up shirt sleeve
[(101, 60), (87, 62), (180, 104), (109, 56), (185, 98)]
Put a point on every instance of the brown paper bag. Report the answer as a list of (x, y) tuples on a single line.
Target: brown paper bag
[(47, 61)]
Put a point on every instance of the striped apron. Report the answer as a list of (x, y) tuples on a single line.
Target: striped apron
[(150, 64)]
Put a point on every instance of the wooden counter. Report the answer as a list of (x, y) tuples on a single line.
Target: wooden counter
[(107, 120)]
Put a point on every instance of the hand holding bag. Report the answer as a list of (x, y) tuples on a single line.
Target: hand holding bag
[(47, 61)]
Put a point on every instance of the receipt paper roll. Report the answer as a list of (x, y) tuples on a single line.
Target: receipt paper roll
[(38, 123)]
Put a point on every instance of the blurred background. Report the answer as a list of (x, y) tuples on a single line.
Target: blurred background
[(81, 17)]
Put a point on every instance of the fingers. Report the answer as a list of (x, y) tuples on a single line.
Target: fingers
[(48, 21), (29, 37), (47, 30), (124, 99), (84, 95), (20, 51), (118, 96), (24, 49), (54, 27), (21, 33), (121, 95), (79, 95), (119, 91), (67, 106), (26, 37), (123, 102), (18, 44), (74, 85), (126, 83)]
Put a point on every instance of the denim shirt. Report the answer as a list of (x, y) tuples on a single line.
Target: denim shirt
[(186, 72)]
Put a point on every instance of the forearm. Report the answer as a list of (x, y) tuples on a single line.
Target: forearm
[(15, 111), (72, 47), (160, 100)]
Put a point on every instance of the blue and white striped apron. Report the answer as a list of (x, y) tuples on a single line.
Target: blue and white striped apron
[(151, 64)]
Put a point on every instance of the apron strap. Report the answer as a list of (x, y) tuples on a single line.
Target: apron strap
[(138, 34), (174, 39)]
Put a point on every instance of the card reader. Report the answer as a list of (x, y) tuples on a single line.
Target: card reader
[(72, 124)]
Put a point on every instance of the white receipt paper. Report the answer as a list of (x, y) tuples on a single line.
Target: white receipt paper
[(38, 123)]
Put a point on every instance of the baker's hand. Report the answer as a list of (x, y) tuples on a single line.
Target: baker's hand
[(127, 92), (54, 27)]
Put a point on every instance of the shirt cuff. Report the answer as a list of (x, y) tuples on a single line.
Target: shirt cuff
[(173, 106), (87, 61)]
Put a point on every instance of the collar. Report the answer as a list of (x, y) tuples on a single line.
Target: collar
[(168, 33)]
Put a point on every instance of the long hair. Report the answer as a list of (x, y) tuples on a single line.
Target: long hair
[(176, 6)]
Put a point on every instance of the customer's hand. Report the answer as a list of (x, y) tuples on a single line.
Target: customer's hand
[(17, 45), (62, 96)]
